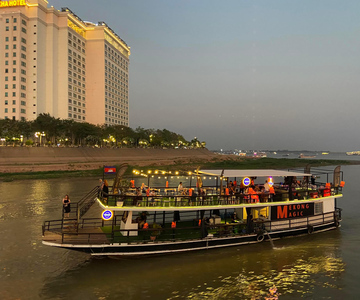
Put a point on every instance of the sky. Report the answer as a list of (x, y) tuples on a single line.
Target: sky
[(241, 74)]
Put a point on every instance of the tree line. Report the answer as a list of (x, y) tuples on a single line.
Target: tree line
[(50, 131)]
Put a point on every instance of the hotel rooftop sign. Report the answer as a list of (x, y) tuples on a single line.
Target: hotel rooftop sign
[(12, 3)]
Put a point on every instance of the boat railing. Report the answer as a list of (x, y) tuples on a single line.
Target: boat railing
[(301, 222), (280, 195), (84, 232)]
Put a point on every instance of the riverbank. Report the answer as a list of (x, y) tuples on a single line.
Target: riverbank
[(47, 159), (43, 163)]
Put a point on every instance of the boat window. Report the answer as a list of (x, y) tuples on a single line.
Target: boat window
[(318, 209)]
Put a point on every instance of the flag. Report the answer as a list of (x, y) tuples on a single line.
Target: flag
[(109, 170)]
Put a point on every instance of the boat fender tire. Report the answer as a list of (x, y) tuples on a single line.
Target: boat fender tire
[(310, 229), (260, 237)]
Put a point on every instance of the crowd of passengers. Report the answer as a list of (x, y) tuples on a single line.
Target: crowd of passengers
[(253, 193)]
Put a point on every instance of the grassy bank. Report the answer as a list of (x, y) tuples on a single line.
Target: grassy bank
[(261, 163)]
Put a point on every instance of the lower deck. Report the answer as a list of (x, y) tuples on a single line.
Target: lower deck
[(97, 232)]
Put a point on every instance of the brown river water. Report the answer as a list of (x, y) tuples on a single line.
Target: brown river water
[(318, 266)]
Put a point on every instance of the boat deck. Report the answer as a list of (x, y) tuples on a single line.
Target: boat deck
[(71, 236)]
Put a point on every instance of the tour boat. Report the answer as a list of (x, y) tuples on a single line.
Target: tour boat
[(242, 207)]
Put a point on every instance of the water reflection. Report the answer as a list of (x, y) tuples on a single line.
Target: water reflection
[(300, 268)]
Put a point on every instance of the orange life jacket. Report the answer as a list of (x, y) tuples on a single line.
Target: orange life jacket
[(227, 193), (173, 224), (146, 226), (200, 222), (254, 195)]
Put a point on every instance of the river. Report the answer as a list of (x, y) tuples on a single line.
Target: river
[(318, 266)]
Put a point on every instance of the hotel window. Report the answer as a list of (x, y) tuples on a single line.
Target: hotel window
[(6, 110), (15, 20), (23, 40), (6, 94), (7, 28), (14, 38), (23, 29), (14, 28), (7, 21), (14, 46), (6, 102), (14, 62), (23, 111), (6, 86), (14, 94), (23, 48), (23, 22), (23, 103), (6, 47), (14, 102), (6, 78), (14, 86)]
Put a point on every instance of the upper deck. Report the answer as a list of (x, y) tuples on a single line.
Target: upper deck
[(228, 192)]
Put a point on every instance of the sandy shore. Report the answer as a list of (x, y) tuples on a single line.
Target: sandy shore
[(35, 159)]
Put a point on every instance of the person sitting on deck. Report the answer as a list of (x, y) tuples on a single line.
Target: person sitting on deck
[(138, 197), (267, 186), (254, 198), (181, 189), (141, 219), (152, 194), (143, 188)]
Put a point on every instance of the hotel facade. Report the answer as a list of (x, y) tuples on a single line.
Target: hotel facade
[(53, 62)]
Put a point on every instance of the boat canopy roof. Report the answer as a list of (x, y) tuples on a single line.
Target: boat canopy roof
[(252, 173)]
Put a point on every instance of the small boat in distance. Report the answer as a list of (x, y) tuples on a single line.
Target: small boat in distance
[(353, 153), (306, 156), (324, 153)]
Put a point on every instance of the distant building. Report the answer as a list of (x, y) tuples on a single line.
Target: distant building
[(53, 62)]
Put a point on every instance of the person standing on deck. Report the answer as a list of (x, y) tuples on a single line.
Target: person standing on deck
[(180, 188), (66, 206)]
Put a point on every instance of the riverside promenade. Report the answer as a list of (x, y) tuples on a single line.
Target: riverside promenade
[(35, 159)]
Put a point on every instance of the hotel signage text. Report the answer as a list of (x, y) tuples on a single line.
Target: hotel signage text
[(12, 3), (292, 211)]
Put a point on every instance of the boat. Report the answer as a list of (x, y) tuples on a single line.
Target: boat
[(202, 216), (306, 156), (260, 154), (325, 153), (353, 153)]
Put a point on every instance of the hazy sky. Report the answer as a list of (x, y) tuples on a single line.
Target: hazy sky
[(241, 74)]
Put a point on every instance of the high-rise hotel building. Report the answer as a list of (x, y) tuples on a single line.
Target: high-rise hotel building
[(53, 62)]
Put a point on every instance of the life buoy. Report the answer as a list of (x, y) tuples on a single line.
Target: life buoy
[(310, 229), (260, 237)]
